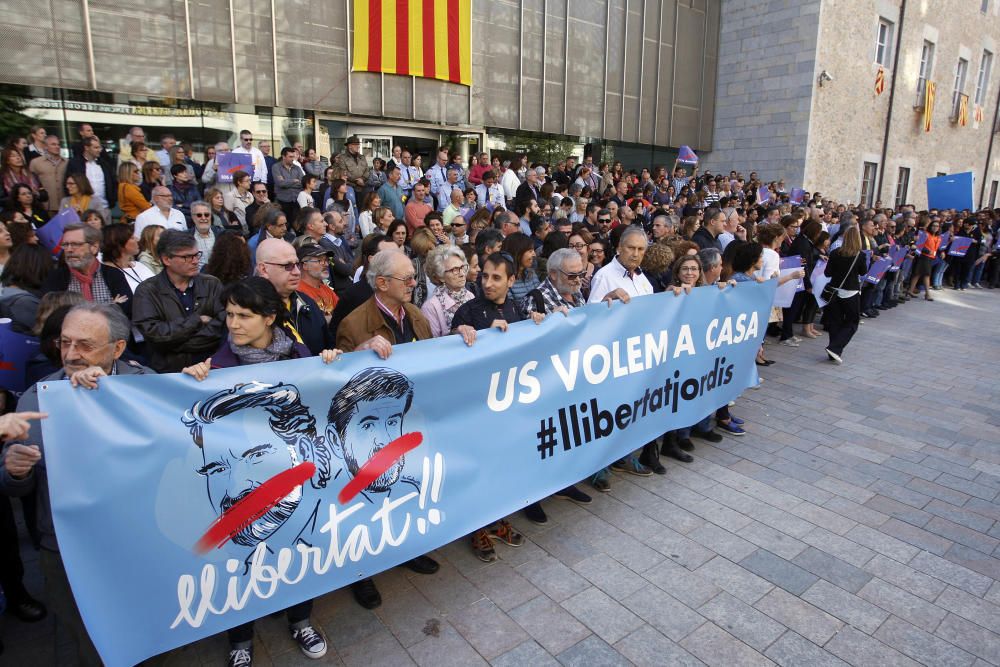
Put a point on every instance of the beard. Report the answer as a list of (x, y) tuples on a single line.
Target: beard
[(384, 481), (261, 528)]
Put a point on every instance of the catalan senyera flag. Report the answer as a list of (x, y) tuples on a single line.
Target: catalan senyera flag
[(429, 38), (880, 81), (963, 110), (978, 113), (929, 105)]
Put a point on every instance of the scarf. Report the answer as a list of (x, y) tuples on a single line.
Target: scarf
[(80, 202), (280, 348), (458, 297), (86, 280)]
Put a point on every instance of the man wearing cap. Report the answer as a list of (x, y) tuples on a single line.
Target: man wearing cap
[(315, 273), (354, 164)]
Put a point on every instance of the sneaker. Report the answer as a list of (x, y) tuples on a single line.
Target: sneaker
[(709, 435), (834, 357), (366, 594), (601, 480), (731, 428), (575, 495), (535, 514), (311, 642), (796, 339), (736, 420), (789, 343), (483, 546), (503, 531), (240, 657), (631, 465)]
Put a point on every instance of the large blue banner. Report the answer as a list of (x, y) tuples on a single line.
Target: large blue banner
[(185, 508)]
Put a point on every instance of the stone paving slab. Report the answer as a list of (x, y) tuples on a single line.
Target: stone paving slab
[(857, 523)]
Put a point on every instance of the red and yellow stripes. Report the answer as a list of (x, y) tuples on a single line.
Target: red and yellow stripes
[(429, 38)]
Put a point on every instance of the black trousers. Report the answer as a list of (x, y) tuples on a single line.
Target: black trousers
[(11, 567), (867, 297), (790, 314), (841, 317), (243, 634)]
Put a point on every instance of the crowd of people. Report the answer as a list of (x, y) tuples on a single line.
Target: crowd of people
[(175, 267)]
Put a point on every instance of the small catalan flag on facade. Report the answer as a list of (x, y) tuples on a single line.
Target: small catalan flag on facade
[(880, 81)]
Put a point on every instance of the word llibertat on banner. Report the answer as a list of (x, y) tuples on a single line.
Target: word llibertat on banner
[(224, 501)]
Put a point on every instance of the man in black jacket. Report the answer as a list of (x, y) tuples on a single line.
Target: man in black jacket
[(341, 257), (96, 166), (81, 272), (278, 262), (178, 311), (707, 235)]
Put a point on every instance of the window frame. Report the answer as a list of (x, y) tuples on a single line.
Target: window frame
[(902, 185), (983, 76), (886, 48), (866, 197), (925, 70), (961, 73)]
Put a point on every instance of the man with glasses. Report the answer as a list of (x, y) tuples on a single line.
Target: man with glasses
[(178, 311), (204, 233), (91, 343), (341, 255), (604, 223), (81, 272), (246, 147), (260, 198), (278, 262), (315, 273), (162, 213)]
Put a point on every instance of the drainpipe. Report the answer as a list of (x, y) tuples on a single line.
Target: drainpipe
[(892, 99), (989, 151)]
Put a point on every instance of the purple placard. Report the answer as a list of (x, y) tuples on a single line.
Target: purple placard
[(50, 234), (898, 255), (790, 263), (763, 195), (685, 154), (15, 351), (944, 239), (229, 163), (959, 246), (797, 196), (921, 240), (878, 270)]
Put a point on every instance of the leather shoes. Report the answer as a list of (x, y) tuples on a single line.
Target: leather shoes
[(651, 458), (365, 594), (671, 450), (28, 610), (423, 565)]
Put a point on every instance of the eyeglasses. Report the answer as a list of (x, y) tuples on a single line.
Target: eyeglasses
[(73, 245), (260, 192), (290, 266), (604, 219), (84, 346), (577, 246), (458, 270), (573, 276), (201, 215), (188, 258), (247, 139), (405, 279)]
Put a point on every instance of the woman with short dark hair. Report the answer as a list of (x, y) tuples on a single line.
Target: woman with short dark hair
[(22, 278), (119, 248)]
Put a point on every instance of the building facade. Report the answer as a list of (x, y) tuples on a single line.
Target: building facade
[(638, 75), (797, 95)]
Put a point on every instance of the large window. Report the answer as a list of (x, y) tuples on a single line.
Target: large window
[(983, 78), (902, 186), (926, 69), (961, 71), (868, 183), (883, 41), (993, 194)]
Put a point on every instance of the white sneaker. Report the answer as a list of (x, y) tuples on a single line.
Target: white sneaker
[(789, 343), (835, 358), (240, 657), (796, 339)]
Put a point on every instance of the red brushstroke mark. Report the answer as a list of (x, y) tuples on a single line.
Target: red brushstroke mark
[(253, 506), (235, 168), (378, 464), (7, 366)]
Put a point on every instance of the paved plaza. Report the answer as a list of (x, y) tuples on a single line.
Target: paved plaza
[(858, 522)]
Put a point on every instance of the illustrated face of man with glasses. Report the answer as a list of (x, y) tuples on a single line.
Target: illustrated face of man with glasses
[(278, 262)]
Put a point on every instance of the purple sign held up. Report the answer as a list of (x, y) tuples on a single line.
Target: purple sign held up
[(944, 239), (50, 234), (897, 254), (15, 351), (877, 270), (230, 163), (921, 240), (790, 263), (685, 154), (797, 196), (763, 195), (959, 246)]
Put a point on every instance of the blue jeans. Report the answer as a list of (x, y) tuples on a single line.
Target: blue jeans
[(704, 425), (976, 273), (939, 266)]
